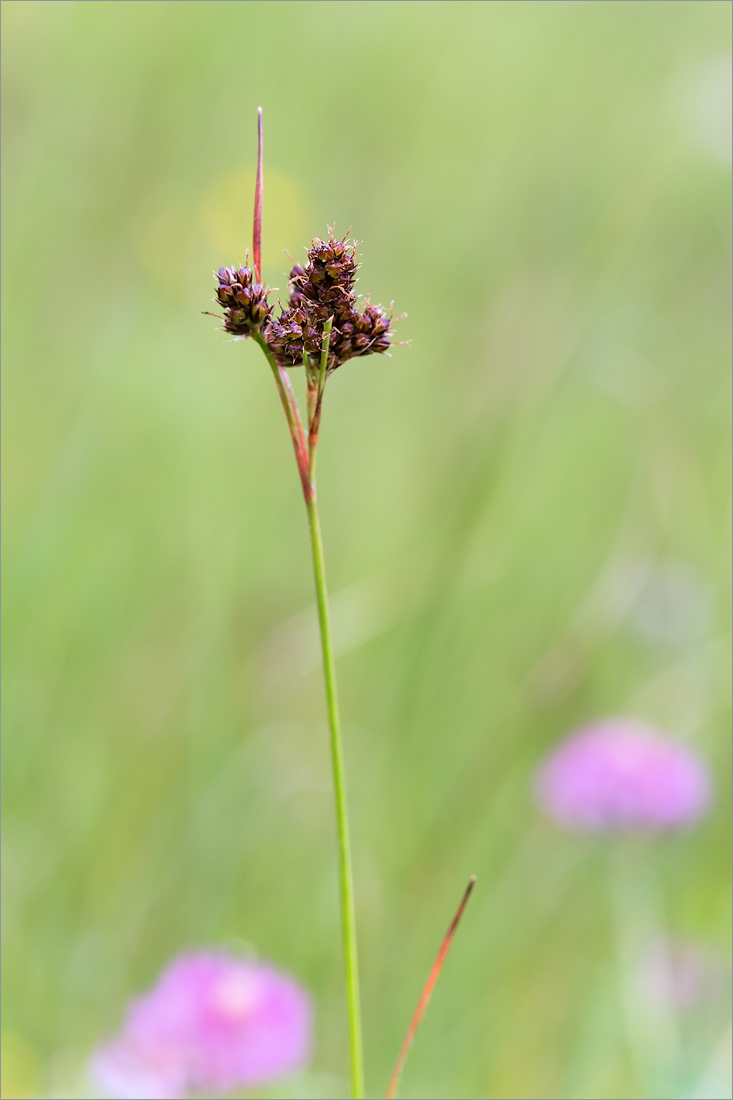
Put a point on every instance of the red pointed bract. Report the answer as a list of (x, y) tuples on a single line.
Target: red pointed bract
[(422, 1004), (257, 226)]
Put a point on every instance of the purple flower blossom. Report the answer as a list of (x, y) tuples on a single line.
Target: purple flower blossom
[(622, 774), (213, 1023)]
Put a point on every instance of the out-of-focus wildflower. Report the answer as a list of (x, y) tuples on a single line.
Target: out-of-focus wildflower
[(212, 1024), (622, 774)]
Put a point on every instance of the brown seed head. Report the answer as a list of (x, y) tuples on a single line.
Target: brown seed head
[(325, 288), (244, 301)]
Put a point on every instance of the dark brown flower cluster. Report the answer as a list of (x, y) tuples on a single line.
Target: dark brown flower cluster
[(325, 288), (244, 301)]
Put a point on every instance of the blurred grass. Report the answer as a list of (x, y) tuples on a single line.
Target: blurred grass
[(526, 513)]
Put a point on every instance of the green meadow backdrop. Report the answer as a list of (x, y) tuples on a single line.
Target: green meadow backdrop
[(526, 519)]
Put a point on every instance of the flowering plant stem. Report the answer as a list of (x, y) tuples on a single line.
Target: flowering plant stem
[(305, 454), (346, 888)]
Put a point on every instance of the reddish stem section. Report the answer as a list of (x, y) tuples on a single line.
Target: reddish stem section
[(297, 433), (257, 226), (422, 1004)]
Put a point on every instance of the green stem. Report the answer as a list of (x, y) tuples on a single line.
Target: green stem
[(346, 888), (305, 457)]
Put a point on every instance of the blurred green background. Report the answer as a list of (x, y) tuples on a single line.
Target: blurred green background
[(526, 517)]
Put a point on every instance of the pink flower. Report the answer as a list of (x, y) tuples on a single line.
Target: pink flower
[(212, 1024), (622, 774)]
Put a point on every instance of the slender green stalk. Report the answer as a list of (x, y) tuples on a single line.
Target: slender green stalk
[(346, 888), (305, 454)]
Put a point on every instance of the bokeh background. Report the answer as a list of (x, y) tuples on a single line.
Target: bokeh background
[(526, 517)]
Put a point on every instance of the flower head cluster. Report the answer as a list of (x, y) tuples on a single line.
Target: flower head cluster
[(325, 288), (244, 301), (622, 774), (212, 1024)]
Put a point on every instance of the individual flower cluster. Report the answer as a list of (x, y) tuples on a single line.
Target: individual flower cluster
[(325, 288), (212, 1024), (244, 301), (620, 774)]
